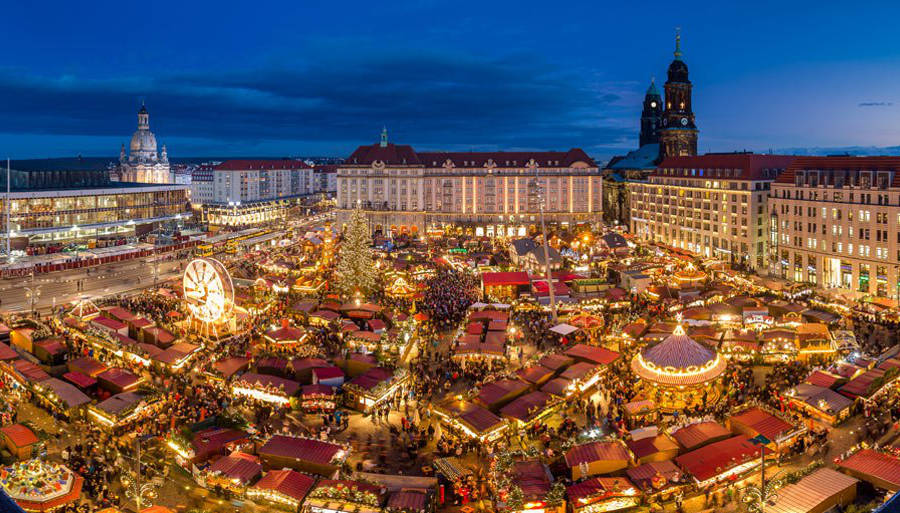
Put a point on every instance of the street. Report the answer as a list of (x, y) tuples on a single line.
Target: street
[(63, 286)]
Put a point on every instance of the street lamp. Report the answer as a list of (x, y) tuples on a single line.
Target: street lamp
[(757, 497), (33, 293), (134, 489)]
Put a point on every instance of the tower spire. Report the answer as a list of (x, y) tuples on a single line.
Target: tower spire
[(678, 43), (384, 138)]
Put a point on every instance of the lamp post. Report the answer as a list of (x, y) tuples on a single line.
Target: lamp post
[(758, 497), (540, 199), (136, 490)]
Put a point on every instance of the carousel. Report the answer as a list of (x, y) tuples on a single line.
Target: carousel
[(40, 486), (679, 372)]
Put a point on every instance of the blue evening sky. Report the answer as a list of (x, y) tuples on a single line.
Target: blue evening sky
[(319, 78)]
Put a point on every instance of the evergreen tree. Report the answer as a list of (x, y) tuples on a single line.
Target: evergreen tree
[(355, 272)]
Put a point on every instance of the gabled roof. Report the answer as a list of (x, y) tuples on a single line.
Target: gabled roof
[(596, 451), (288, 482), (763, 423), (19, 435), (873, 463), (750, 166), (717, 457), (301, 449)]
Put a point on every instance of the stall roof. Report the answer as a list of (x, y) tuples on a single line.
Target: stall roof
[(70, 395), (822, 398), (564, 329), (19, 435), (806, 495), (879, 465), (288, 482), (592, 353), (599, 486), (229, 366), (557, 387), (7, 353), (240, 466), (252, 379), (695, 435), (526, 407), (407, 501), (643, 475), (509, 278), (301, 449), (763, 423), (711, 460), (596, 451), (491, 393), (79, 379)]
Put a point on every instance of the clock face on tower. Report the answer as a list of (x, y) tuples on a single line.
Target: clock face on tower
[(653, 104), (684, 122)]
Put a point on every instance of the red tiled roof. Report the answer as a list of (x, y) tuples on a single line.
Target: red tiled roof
[(493, 392), (238, 465), (859, 386), (579, 370), (643, 475), (507, 278), (698, 434), (751, 166), (555, 361), (407, 501), (30, 371), (301, 449), (598, 486), (557, 387), (108, 323), (391, 154), (229, 366), (251, 379), (594, 354), (371, 378), (19, 435), (715, 458), (247, 165), (119, 378), (532, 477), (843, 163), (77, 378), (877, 464), (596, 451), (328, 373), (534, 374), (526, 407), (288, 482), (7, 353), (651, 445), (212, 440), (763, 423)]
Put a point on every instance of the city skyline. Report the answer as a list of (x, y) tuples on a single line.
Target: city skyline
[(504, 78)]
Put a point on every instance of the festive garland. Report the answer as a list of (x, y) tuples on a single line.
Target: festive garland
[(342, 492)]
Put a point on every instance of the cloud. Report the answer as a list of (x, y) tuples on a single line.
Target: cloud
[(876, 104), (431, 99)]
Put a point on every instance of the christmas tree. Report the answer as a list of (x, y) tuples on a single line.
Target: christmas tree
[(356, 273)]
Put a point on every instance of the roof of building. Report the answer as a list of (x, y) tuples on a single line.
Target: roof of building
[(252, 379), (644, 475), (249, 165), (700, 433), (407, 500), (594, 354), (67, 393), (596, 451), (717, 457), (822, 398), (842, 163), (763, 422), (506, 278), (807, 494), (493, 392), (404, 155), (678, 360), (876, 464), (288, 482), (240, 466), (599, 486), (19, 435), (751, 166), (642, 158), (651, 445), (301, 449)]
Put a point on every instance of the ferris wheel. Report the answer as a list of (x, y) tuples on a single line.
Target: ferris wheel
[(208, 290)]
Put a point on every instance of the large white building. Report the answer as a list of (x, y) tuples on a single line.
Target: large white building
[(481, 193), (143, 163), (835, 223), (246, 192), (714, 205)]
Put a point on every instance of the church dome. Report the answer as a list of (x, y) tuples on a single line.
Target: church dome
[(143, 141), (678, 71)]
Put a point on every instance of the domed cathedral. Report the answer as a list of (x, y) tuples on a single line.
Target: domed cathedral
[(678, 136), (143, 164)]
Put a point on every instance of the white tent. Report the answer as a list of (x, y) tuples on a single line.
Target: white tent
[(563, 329)]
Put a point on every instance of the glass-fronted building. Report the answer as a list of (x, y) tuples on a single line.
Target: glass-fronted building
[(57, 201)]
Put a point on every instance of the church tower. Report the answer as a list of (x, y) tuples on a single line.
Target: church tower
[(678, 136), (651, 116)]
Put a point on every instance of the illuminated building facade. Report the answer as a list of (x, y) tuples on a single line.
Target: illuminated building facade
[(713, 205), (143, 163), (91, 208), (401, 190), (835, 223)]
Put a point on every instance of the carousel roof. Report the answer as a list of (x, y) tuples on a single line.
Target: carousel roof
[(678, 360)]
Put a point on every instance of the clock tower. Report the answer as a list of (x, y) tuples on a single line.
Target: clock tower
[(651, 116), (678, 134)]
